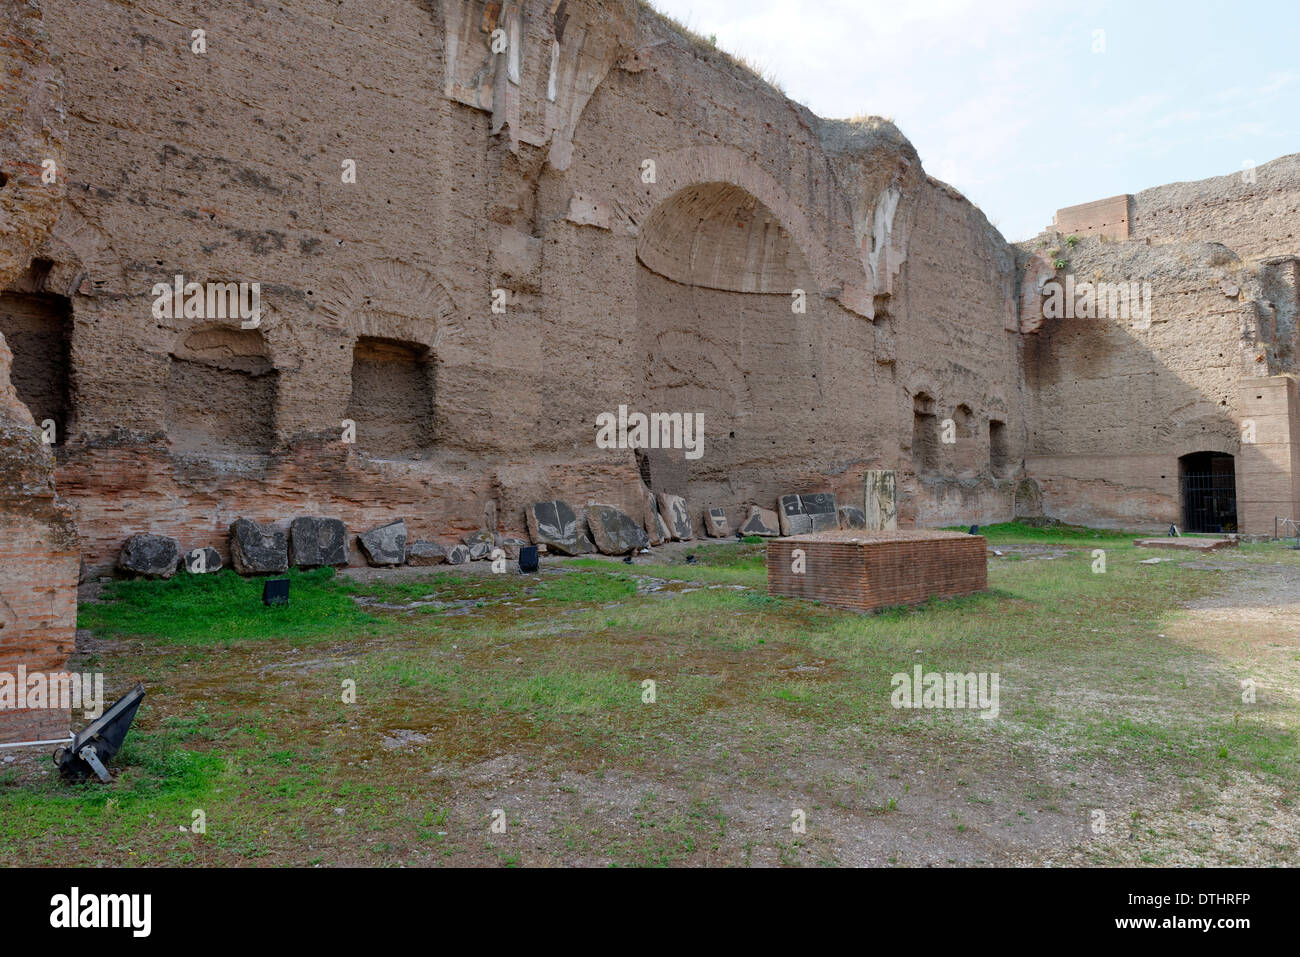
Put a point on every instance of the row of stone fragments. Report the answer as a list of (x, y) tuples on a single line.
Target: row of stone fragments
[(315, 542)]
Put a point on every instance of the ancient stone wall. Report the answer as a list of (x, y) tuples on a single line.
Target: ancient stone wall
[(1118, 396), (957, 359), (1255, 212), (38, 545), (518, 179)]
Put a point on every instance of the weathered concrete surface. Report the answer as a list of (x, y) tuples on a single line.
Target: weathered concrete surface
[(38, 544)]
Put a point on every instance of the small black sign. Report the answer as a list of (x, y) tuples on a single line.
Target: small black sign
[(275, 591), (528, 558)]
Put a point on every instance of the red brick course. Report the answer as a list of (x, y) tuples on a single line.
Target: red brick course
[(869, 570)]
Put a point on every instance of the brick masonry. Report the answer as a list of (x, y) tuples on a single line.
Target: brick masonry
[(869, 570)]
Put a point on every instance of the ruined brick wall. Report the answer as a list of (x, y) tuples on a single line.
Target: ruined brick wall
[(958, 348), (38, 547), (522, 172), (1102, 217), (1115, 401), (1255, 212)]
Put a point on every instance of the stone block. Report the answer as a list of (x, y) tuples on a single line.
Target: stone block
[(676, 516), (761, 521), (314, 542), (385, 545), (257, 549), (555, 525), (150, 556), (614, 532), (425, 553), (716, 524)]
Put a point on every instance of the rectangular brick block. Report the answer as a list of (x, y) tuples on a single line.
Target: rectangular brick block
[(868, 570)]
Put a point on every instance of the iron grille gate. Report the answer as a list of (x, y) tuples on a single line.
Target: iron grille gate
[(1210, 501)]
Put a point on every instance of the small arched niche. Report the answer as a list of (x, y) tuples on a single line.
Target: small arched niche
[(392, 398), (925, 434), (222, 389)]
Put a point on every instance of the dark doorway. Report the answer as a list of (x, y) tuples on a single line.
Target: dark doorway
[(1209, 487)]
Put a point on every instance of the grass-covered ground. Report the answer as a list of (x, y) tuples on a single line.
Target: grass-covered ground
[(1122, 735)]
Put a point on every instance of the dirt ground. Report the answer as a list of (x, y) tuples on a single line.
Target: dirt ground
[(770, 733)]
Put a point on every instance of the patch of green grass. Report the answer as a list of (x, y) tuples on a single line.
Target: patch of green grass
[(1093, 667), (225, 608), (440, 586), (160, 783), (583, 586), (1047, 533)]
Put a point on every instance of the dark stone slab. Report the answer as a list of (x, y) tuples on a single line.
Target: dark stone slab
[(555, 525), (150, 556), (761, 521), (425, 553), (651, 520), (715, 523), (258, 549), (794, 520), (614, 532), (201, 561), (821, 510), (458, 555), (851, 517), (676, 516), (813, 512), (314, 542), (385, 545)]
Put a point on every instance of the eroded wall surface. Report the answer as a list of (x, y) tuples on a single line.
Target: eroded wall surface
[(1118, 398), (38, 545), (519, 178), (1255, 212)]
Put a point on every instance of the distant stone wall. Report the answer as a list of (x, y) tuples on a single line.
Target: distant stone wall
[(1116, 400), (1255, 212), (1102, 217)]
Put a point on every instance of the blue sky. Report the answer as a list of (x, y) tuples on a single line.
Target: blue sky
[(1008, 101)]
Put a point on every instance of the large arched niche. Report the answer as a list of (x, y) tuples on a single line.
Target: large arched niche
[(718, 236), (716, 277)]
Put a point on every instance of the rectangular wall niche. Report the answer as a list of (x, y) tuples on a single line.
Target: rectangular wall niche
[(38, 329), (925, 435), (221, 392), (999, 451), (392, 398)]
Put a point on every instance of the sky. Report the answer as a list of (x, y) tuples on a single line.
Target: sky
[(1027, 107)]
